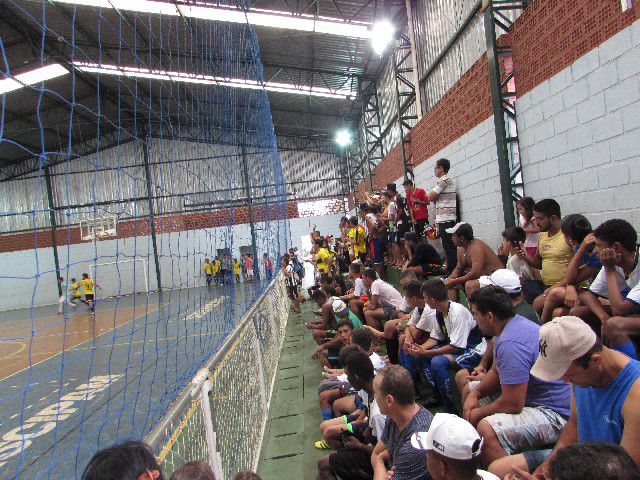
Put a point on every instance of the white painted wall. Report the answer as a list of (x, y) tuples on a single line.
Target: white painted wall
[(474, 166), (580, 133)]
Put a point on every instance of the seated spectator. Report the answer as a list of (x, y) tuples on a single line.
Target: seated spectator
[(618, 284), (354, 297), (455, 340), (453, 449), (582, 268), (422, 257), (587, 461), (384, 300), (354, 438), (196, 470), (512, 409), (512, 238), (524, 208), (605, 403), (324, 327), (342, 312), (130, 460), (395, 396), (475, 259), (553, 255), (328, 351), (510, 283)]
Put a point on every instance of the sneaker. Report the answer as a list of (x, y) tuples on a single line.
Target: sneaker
[(322, 445)]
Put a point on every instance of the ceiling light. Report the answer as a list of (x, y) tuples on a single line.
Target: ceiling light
[(382, 34), (32, 77), (259, 17), (343, 138), (135, 72)]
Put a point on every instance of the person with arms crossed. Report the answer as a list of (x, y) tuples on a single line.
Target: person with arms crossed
[(445, 198)]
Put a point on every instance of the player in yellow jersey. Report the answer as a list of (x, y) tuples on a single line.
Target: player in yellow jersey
[(356, 239), (76, 296), (207, 267), (236, 269), (88, 286), (216, 270)]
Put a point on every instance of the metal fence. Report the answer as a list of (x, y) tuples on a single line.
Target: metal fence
[(221, 416)]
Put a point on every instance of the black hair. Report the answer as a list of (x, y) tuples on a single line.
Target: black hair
[(593, 461), (410, 237), (435, 288), (407, 182), (514, 235), (319, 241), (345, 322), (353, 221), (359, 363), (527, 203), (392, 187), (318, 294), (465, 231), (326, 278), (195, 470), (444, 163), (355, 266), (362, 337), (123, 461), (397, 382), (330, 291), (548, 207), (494, 299), (409, 274), (370, 273), (346, 351), (344, 219), (617, 230), (413, 289), (584, 360), (576, 227)]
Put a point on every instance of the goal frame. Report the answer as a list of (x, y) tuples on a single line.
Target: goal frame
[(93, 268)]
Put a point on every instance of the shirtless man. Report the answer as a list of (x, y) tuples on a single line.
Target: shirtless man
[(475, 258)]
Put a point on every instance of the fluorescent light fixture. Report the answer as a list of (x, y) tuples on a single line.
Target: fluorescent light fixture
[(32, 77), (382, 35), (135, 72), (343, 137), (259, 17)]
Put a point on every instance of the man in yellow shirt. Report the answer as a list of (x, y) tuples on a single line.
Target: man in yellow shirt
[(356, 239), (553, 255), (75, 289), (208, 271), (88, 286), (216, 270), (323, 258), (236, 269)]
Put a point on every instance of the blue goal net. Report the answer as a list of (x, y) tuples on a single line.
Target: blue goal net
[(142, 214)]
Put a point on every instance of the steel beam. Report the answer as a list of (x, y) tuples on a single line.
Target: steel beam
[(52, 220), (504, 112), (247, 185), (152, 222)]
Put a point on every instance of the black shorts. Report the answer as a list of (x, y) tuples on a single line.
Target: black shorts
[(88, 296), (351, 464)]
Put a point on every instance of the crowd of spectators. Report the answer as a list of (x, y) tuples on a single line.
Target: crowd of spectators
[(525, 354)]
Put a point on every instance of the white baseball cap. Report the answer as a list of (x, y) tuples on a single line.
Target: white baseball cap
[(339, 307), (451, 436), (562, 340), (506, 279), (455, 228)]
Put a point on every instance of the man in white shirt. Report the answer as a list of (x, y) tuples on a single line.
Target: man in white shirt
[(453, 449), (618, 282), (384, 300), (445, 198)]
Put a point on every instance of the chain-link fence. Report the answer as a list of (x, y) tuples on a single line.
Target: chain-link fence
[(220, 417)]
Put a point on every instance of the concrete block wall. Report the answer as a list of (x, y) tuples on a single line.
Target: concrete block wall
[(580, 132)]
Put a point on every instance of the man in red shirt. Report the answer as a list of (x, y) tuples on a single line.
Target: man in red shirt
[(417, 200)]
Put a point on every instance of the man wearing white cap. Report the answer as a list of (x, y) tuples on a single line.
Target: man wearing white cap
[(605, 403), (475, 258), (510, 283), (453, 449)]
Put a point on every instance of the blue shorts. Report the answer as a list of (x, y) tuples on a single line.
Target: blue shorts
[(377, 247)]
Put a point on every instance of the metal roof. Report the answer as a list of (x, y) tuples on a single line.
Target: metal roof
[(85, 34)]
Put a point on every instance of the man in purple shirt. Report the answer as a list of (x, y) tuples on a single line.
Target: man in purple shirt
[(512, 409)]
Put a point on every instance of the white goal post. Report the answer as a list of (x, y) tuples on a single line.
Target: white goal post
[(122, 277)]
